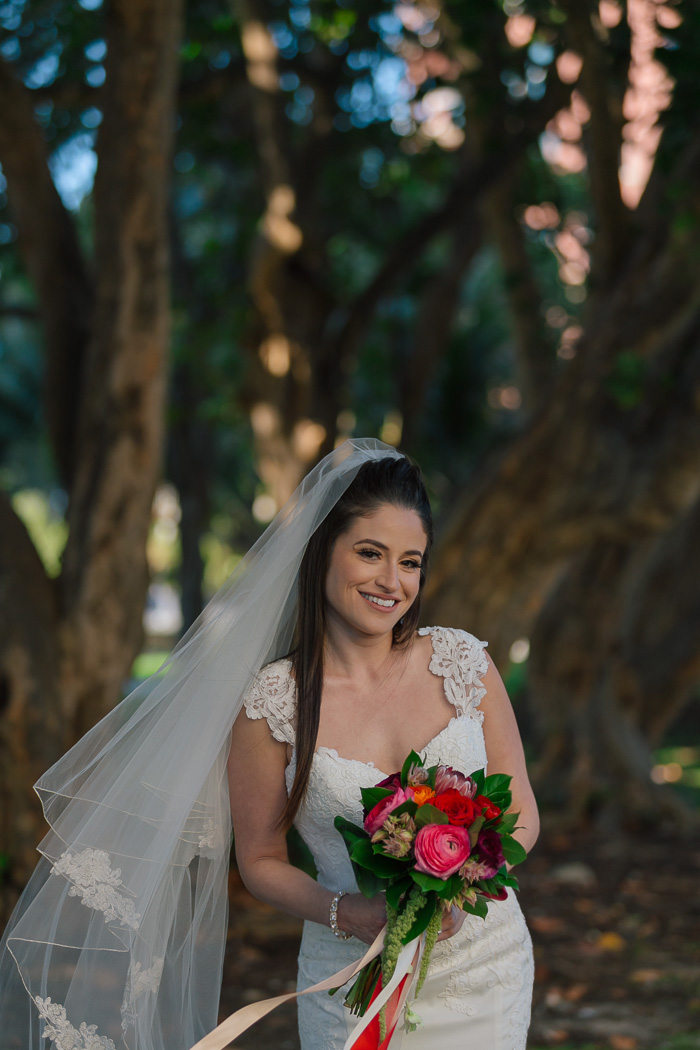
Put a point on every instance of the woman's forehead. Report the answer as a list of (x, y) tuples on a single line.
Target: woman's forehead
[(390, 521)]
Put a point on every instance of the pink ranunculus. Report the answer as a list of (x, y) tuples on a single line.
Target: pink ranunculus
[(378, 814), (441, 849), (447, 778)]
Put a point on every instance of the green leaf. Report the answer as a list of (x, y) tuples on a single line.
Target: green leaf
[(513, 852), (431, 771), (371, 796), (368, 883), (396, 890), (502, 799), (362, 853), (387, 867), (475, 829), (351, 832), (478, 778), (405, 807), (507, 823), (428, 814), (299, 853), (452, 887), (480, 907), (496, 782), (422, 918), (413, 759), (427, 882)]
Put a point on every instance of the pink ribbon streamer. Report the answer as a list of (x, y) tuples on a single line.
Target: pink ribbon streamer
[(242, 1019)]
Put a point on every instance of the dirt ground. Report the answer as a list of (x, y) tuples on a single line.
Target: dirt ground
[(616, 929)]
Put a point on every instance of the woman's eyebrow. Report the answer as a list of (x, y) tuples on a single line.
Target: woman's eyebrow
[(384, 547)]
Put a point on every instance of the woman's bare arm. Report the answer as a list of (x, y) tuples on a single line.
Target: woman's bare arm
[(505, 754), (258, 795)]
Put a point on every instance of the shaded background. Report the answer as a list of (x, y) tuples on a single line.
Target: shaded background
[(233, 234)]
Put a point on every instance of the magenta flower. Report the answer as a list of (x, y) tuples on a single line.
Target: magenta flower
[(393, 781), (441, 849), (490, 853), (378, 814)]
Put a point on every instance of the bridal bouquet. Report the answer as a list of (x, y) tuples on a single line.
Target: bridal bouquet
[(432, 837)]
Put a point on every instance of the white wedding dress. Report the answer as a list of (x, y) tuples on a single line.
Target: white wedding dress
[(479, 985)]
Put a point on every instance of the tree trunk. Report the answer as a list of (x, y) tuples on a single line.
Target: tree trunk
[(72, 641), (587, 509)]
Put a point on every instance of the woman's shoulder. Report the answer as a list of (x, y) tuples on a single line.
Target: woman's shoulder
[(456, 653), (452, 636), (272, 696)]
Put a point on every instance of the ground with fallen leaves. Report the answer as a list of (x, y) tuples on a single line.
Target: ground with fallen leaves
[(616, 929)]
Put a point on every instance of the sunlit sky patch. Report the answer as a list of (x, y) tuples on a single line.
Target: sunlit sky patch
[(73, 166)]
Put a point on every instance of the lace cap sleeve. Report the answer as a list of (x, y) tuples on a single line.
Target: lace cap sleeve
[(459, 658), (272, 696)]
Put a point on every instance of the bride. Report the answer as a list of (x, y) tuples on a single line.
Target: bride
[(361, 689), (304, 679)]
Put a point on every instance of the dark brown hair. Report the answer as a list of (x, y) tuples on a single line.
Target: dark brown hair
[(394, 481)]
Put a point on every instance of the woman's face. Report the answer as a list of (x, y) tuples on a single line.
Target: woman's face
[(374, 572)]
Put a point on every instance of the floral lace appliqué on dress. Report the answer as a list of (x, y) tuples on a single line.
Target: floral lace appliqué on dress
[(273, 696)]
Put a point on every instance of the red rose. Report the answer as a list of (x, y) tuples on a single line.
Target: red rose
[(459, 809), (487, 807)]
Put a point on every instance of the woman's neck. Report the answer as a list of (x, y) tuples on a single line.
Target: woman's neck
[(359, 656)]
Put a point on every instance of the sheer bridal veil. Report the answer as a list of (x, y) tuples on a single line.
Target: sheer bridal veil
[(118, 940)]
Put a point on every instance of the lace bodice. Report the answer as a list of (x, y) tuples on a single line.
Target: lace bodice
[(481, 978), (335, 781)]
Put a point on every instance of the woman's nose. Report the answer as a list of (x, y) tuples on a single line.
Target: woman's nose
[(388, 575)]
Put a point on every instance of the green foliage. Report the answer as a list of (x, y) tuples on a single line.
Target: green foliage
[(371, 796), (428, 814), (626, 381)]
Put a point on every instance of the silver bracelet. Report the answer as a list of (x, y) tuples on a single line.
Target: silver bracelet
[(340, 934)]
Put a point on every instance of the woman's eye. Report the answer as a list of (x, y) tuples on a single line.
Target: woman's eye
[(368, 553), (412, 564)]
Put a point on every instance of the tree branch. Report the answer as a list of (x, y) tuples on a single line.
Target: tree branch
[(604, 137), (535, 359), (478, 177), (439, 300), (589, 468)]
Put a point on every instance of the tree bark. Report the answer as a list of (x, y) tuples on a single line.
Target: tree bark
[(567, 534), (49, 247), (534, 355), (32, 731), (121, 423), (71, 642)]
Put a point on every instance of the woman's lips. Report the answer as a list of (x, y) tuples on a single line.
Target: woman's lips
[(383, 604)]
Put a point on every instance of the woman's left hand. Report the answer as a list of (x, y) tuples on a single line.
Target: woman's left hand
[(452, 920)]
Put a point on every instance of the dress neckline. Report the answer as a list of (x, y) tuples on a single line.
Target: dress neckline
[(331, 752)]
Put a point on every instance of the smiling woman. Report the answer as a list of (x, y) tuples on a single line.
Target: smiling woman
[(304, 678), (362, 688), (384, 574)]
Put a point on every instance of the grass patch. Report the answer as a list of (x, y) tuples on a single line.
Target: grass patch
[(147, 664)]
